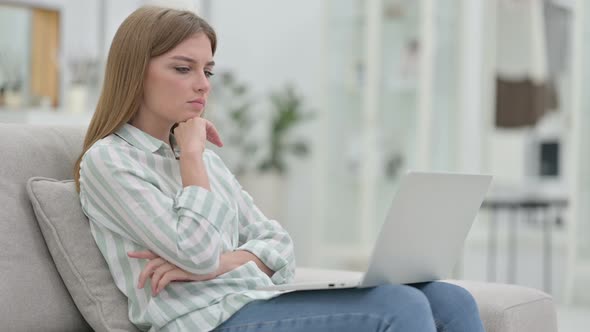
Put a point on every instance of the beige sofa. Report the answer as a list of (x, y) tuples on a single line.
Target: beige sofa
[(37, 295)]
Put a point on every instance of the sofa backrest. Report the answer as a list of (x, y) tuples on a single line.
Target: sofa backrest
[(33, 295)]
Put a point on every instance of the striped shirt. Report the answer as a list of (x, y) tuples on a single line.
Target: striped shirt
[(131, 191)]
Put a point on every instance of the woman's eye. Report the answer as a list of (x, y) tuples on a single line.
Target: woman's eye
[(209, 73), (182, 70)]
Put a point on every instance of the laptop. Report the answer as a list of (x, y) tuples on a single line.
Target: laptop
[(421, 238)]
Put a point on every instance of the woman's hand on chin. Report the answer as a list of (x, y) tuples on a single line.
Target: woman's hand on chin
[(192, 134)]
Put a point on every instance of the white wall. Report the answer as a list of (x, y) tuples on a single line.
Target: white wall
[(81, 22), (473, 81), (15, 28), (78, 30), (115, 13), (268, 43), (82, 33)]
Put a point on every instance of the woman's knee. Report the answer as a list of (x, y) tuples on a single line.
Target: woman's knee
[(442, 294), (401, 298), (406, 307), (453, 307)]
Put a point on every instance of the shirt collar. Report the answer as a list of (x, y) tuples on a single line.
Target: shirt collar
[(139, 138)]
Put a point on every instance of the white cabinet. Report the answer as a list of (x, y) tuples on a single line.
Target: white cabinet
[(390, 93)]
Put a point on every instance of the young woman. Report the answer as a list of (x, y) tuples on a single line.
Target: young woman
[(183, 241)]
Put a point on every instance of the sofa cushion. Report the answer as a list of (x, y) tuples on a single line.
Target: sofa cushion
[(81, 265), (36, 298)]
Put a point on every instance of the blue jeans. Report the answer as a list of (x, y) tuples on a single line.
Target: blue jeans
[(424, 307)]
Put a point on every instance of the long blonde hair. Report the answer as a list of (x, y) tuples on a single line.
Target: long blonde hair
[(148, 32)]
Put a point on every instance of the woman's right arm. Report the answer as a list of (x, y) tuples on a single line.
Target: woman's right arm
[(184, 229)]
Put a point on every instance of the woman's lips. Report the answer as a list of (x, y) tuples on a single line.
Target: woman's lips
[(199, 102)]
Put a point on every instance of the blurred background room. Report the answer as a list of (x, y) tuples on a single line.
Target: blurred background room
[(325, 104)]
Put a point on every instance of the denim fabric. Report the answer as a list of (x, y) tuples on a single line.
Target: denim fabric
[(425, 307)]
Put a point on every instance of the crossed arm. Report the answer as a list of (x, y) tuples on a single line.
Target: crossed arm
[(163, 272)]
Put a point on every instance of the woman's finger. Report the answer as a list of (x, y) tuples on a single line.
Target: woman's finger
[(213, 134), (144, 254), (161, 271), (172, 275), (148, 269), (158, 273)]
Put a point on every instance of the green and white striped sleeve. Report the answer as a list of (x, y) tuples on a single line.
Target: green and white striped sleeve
[(184, 230), (266, 239), (263, 237)]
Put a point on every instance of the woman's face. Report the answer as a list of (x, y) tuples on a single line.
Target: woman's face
[(176, 85)]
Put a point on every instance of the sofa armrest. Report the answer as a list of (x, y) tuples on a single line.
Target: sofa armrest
[(512, 308)]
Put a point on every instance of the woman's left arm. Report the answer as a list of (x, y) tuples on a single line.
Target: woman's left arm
[(265, 238)]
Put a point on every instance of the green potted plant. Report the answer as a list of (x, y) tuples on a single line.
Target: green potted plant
[(257, 146), (287, 112), (267, 181)]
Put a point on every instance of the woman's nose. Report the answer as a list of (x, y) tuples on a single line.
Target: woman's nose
[(201, 83)]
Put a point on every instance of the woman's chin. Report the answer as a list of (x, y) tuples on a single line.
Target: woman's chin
[(194, 114)]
